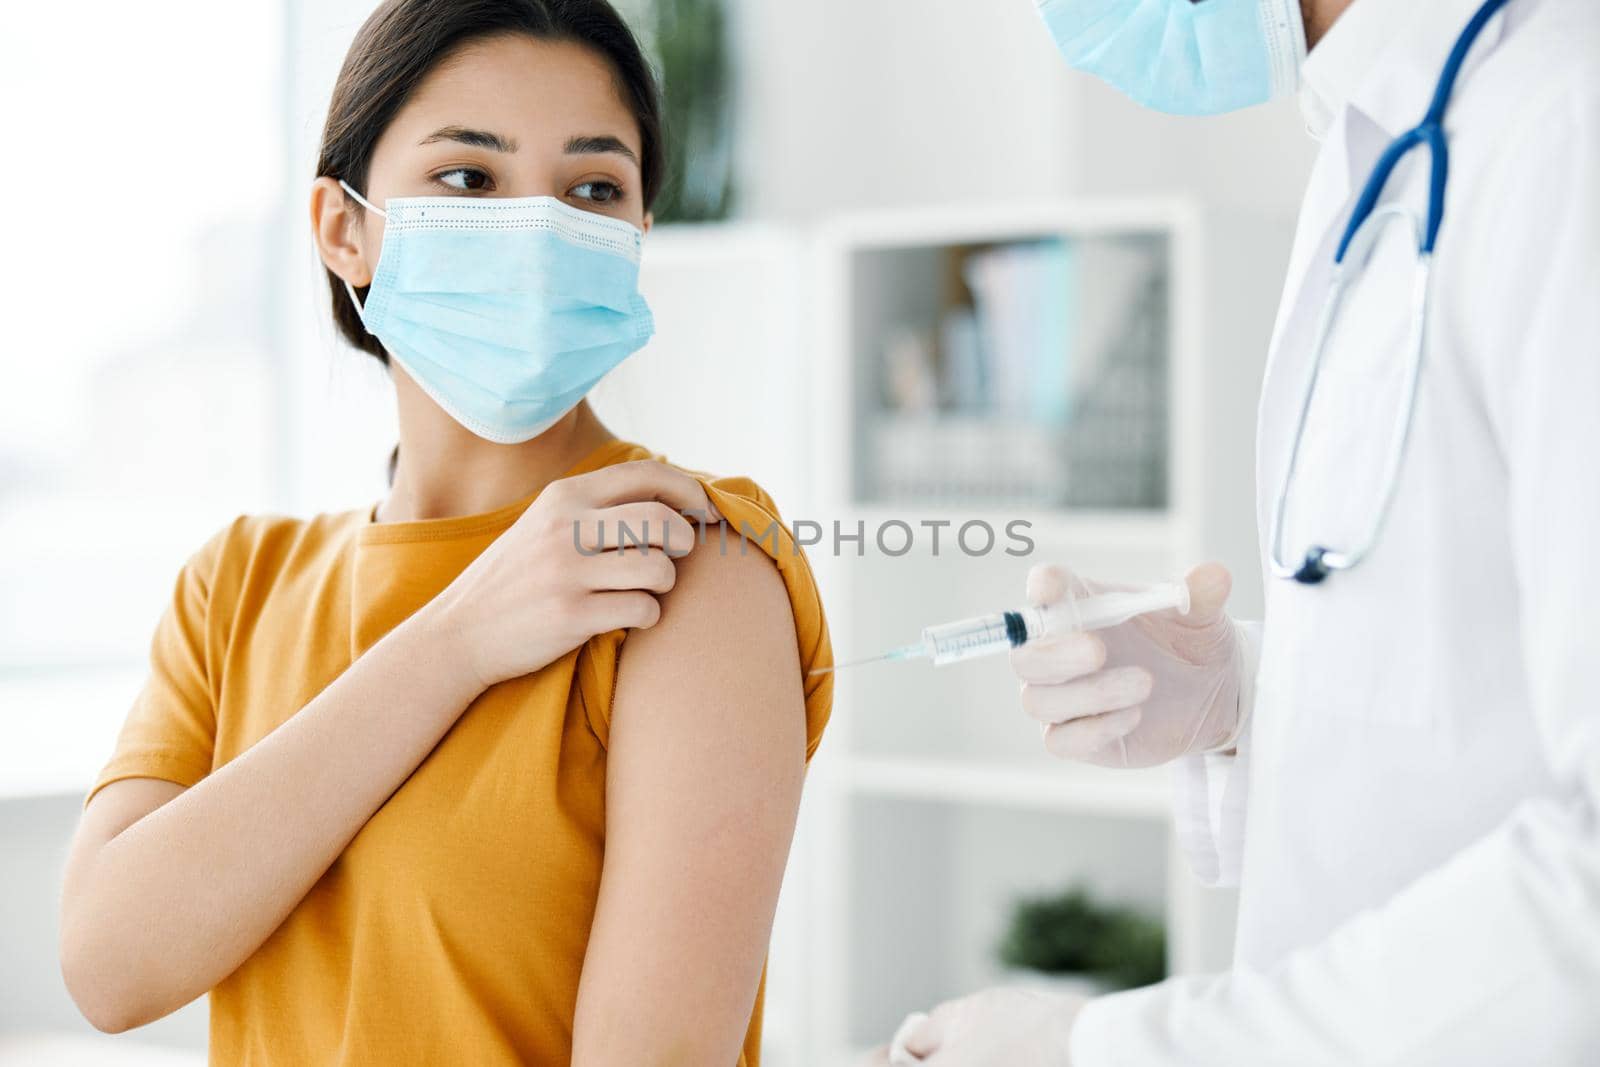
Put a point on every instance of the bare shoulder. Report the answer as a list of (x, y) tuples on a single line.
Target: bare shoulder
[(730, 577), (726, 626)]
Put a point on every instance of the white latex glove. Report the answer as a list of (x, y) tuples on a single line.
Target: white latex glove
[(899, 1054), (1154, 688), (994, 1028)]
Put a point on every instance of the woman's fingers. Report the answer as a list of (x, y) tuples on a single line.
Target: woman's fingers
[(637, 523), (1108, 690), (646, 479), (631, 568), (604, 612), (1078, 739)]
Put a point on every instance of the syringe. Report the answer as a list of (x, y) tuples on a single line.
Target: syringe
[(986, 635)]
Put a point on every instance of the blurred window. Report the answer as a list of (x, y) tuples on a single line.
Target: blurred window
[(140, 410)]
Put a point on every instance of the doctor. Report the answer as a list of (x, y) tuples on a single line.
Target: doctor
[(1401, 766)]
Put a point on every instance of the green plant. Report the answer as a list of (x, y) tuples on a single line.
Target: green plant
[(688, 41), (1071, 933)]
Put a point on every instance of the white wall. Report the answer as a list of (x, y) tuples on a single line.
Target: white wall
[(1253, 161), (853, 104)]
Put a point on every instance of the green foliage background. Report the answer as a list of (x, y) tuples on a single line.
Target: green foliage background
[(688, 43), (1072, 934)]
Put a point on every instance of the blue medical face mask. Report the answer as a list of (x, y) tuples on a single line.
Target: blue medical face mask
[(1185, 57), (505, 311)]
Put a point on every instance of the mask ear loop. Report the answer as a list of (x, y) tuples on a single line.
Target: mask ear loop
[(370, 206)]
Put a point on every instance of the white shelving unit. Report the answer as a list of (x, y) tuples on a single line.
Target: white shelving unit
[(931, 805)]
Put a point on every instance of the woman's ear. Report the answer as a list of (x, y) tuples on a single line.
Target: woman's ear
[(340, 232), (649, 221)]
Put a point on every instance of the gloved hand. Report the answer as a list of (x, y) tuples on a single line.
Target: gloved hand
[(1149, 690), (994, 1028)]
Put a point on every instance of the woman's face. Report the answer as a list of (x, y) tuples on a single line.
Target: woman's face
[(504, 117)]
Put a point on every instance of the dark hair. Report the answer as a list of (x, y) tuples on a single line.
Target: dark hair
[(404, 40)]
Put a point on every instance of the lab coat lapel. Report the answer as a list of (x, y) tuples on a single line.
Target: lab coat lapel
[(1352, 147)]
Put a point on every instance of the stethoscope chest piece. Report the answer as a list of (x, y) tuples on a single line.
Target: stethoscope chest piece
[(1313, 569)]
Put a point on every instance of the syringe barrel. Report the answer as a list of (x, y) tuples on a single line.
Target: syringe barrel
[(983, 635)]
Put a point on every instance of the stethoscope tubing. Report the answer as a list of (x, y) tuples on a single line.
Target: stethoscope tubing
[(1352, 254)]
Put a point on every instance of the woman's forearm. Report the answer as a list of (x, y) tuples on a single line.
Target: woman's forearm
[(164, 910)]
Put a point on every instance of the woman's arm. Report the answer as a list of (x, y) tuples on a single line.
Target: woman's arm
[(705, 762), (167, 890)]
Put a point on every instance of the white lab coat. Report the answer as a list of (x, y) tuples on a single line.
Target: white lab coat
[(1414, 813)]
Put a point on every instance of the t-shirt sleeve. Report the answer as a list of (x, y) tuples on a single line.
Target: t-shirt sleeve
[(750, 514), (170, 733)]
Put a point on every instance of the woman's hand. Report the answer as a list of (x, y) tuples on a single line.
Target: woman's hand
[(557, 577)]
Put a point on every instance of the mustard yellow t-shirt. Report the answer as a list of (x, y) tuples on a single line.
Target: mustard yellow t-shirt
[(452, 929)]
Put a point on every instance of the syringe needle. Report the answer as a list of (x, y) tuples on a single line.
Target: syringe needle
[(851, 663), (904, 652)]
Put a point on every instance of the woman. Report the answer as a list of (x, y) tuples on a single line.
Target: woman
[(454, 779)]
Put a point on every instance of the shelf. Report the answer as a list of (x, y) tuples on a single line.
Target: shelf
[(924, 227), (1075, 790)]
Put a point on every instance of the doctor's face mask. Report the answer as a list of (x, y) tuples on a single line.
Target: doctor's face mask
[(1185, 57), (505, 311)]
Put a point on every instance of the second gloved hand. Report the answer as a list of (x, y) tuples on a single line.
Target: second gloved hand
[(1154, 688), (992, 1028)]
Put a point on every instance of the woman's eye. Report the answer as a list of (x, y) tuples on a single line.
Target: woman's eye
[(597, 192), (467, 179)]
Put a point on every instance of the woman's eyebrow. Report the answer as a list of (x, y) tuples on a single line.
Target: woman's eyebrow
[(475, 138), (582, 146)]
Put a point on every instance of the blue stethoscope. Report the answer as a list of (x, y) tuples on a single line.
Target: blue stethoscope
[(1355, 248)]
